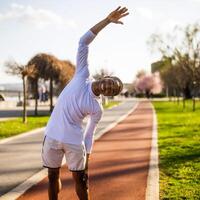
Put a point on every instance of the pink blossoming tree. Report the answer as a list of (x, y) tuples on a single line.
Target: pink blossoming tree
[(149, 84)]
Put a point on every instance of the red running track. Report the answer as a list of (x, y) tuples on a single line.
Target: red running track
[(118, 165)]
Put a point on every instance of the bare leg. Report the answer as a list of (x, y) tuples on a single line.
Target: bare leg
[(54, 183), (81, 184)]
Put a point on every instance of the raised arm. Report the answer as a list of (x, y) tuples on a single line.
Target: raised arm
[(87, 38), (113, 17), (82, 55)]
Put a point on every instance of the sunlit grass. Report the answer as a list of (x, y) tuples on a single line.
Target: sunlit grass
[(179, 150), (110, 104), (15, 126)]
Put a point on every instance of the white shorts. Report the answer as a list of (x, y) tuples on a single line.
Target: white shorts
[(53, 152)]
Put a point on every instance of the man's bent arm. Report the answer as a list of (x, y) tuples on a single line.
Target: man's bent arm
[(90, 129)]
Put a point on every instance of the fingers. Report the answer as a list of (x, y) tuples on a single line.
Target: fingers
[(117, 14), (123, 10), (124, 14), (119, 22), (118, 8)]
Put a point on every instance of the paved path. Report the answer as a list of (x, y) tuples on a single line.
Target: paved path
[(119, 163), (18, 112), (9, 111), (20, 158)]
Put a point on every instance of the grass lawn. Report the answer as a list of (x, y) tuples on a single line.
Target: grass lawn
[(179, 150), (111, 104), (15, 126)]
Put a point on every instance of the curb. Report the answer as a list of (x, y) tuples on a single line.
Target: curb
[(23, 187), (152, 190), (36, 178), (2, 141)]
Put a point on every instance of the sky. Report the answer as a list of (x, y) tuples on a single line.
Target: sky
[(28, 27)]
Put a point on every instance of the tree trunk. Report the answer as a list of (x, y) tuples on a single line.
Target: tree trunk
[(174, 94), (36, 97), (19, 96), (187, 92), (183, 102), (178, 99), (167, 92), (51, 94), (147, 92), (25, 98), (193, 104)]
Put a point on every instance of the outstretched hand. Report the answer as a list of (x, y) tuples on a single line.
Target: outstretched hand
[(113, 17), (117, 14)]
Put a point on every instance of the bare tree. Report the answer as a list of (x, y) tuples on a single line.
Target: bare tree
[(21, 70), (102, 73), (141, 73)]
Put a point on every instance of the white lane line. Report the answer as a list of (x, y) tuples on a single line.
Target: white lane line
[(20, 189), (36, 178), (152, 190)]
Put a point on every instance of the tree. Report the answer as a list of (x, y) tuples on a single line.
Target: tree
[(48, 68), (67, 72), (102, 73), (183, 48), (24, 71), (33, 88), (141, 73), (148, 84), (52, 69)]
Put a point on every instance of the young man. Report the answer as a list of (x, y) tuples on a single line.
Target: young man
[(64, 134)]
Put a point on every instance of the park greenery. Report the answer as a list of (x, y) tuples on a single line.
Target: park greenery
[(179, 65), (15, 126), (179, 150)]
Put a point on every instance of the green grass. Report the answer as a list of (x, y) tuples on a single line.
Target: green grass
[(179, 150), (15, 126), (111, 104)]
